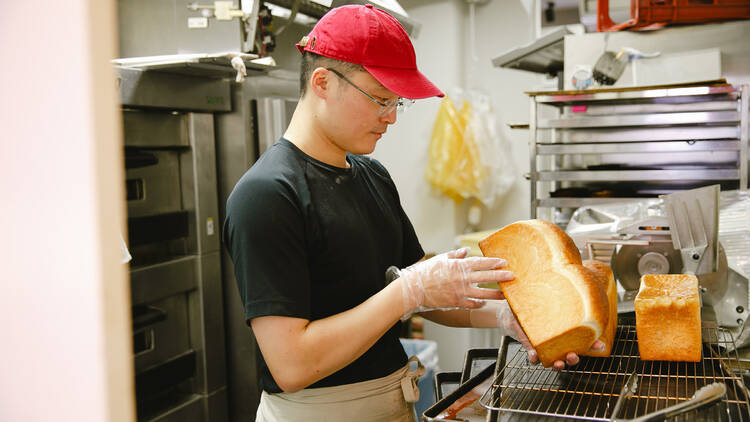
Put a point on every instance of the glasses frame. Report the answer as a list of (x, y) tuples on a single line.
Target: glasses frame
[(386, 107)]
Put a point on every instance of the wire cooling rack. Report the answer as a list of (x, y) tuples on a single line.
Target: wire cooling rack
[(589, 390)]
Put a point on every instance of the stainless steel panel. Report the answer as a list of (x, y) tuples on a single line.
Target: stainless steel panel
[(236, 148), (652, 160), (244, 391), (685, 133), (641, 147), (671, 95), (170, 336), (216, 406), (641, 120), (543, 55), (160, 185), (191, 410), (209, 65), (152, 28), (274, 115), (154, 282), (578, 202), (744, 128), (154, 130), (206, 311), (598, 110), (640, 175), (199, 190), (533, 174), (140, 88)]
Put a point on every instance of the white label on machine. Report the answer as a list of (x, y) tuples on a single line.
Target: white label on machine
[(198, 23), (210, 226)]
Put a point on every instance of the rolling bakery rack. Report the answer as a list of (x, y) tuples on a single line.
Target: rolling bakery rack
[(515, 390), (609, 145)]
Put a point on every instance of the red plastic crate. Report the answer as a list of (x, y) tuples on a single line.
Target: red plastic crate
[(649, 14)]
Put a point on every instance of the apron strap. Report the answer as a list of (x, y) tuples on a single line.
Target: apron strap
[(409, 381)]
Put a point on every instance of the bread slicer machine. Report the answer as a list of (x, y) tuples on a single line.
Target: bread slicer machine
[(677, 233)]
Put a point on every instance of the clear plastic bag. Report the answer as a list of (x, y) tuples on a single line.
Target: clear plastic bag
[(466, 158)]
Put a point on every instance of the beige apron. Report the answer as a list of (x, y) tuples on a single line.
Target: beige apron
[(390, 398)]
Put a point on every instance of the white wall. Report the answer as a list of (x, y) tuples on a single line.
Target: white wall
[(443, 55), (731, 38), (403, 150), (66, 353)]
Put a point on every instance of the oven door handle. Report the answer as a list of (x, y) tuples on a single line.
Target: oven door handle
[(145, 316)]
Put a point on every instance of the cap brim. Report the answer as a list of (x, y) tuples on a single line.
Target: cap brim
[(405, 83)]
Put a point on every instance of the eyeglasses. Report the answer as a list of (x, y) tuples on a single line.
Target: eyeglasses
[(386, 107)]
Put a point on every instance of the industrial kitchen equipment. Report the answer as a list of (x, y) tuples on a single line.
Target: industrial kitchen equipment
[(515, 390), (676, 234), (608, 145), (173, 232)]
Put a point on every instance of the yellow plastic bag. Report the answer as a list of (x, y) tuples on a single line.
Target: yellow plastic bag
[(453, 163)]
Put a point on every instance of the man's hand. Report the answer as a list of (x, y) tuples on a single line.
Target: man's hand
[(448, 281), (571, 358), (508, 322)]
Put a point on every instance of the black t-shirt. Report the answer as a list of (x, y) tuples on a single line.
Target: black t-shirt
[(310, 240)]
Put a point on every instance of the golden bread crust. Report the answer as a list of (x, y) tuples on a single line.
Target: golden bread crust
[(667, 318), (561, 306)]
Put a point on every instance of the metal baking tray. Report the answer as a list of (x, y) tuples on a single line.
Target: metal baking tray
[(446, 383), (475, 361), (589, 390), (462, 403)]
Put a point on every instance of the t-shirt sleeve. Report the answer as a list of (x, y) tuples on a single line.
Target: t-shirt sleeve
[(264, 233)]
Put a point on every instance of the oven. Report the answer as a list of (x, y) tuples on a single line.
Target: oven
[(173, 237)]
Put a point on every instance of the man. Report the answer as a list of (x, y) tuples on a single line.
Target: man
[(314, 224)]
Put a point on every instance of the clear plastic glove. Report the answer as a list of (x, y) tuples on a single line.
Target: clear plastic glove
[(448, 281), (497, 314)]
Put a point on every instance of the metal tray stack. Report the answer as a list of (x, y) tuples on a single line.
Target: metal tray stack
[(589, 390), (610, 145)]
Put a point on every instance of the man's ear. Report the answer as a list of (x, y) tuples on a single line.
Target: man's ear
[(320, 82)]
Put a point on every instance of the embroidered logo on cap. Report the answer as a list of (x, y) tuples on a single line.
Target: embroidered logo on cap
[(303, 41)]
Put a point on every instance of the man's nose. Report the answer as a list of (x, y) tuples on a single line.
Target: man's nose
[(389, 118)]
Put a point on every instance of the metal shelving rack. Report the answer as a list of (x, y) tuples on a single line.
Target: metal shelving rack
[(609, 145)]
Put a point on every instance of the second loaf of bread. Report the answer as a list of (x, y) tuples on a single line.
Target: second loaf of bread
[(668, 318), (606, 277), (560, 304)]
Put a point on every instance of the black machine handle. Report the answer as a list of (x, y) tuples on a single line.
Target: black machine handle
[(145, 315), (136, 158)]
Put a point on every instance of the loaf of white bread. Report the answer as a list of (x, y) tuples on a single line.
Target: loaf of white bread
[(560, 304), (606, 277), (668, 318)]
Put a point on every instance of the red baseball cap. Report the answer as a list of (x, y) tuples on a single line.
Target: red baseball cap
[(372, 38)]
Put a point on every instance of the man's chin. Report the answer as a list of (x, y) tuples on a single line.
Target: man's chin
[(366, 147)]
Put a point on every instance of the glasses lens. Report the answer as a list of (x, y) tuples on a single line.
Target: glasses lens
[(403, 104), (398, 104), (388, 107)]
